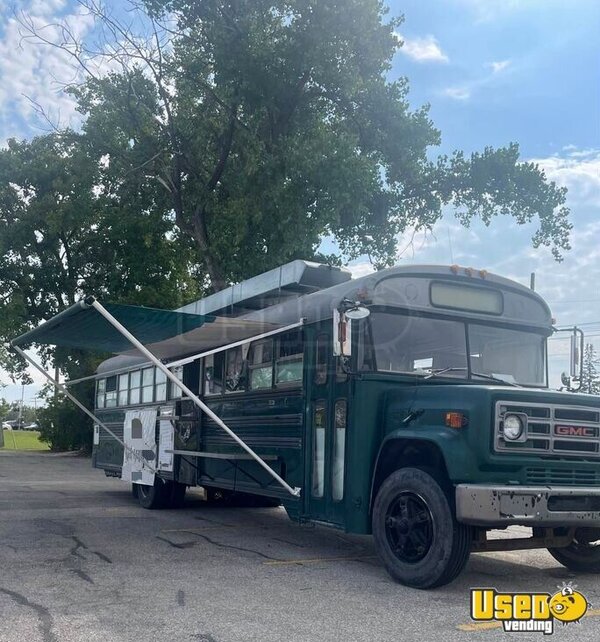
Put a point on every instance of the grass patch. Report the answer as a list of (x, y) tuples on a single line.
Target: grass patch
[(23, 440)]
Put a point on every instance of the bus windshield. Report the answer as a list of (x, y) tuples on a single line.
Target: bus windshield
[(422, 345)]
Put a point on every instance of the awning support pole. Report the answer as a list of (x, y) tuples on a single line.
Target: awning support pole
[(91, 302), (63, 389)]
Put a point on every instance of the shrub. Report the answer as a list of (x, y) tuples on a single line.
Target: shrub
[(64, 427)]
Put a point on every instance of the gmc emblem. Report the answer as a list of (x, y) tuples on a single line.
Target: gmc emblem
[(575, 431)]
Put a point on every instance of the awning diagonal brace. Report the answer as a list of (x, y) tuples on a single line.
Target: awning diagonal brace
[(91, 302), (82, 407)]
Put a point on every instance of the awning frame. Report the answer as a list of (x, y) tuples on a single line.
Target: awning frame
[(91, 302), (62, 387)]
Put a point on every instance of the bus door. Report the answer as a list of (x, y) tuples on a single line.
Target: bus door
[(326, 440)]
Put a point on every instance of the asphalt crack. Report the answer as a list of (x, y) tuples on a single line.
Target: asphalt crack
[(83, 575), (181, 546), (46, 621), (232, 547)]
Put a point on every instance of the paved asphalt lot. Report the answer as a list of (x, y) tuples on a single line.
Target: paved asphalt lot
[(80, 561)]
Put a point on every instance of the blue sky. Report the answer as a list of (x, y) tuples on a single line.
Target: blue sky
[(493, 71)]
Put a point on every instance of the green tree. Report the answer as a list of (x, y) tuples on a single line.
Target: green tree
[(62, 235), (268, 124), (65, 231), (590, 379), (4, 409)]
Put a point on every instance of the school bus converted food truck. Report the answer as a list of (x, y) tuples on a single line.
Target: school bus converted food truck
[(412, 404)]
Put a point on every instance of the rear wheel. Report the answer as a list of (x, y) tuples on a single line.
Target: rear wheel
[(416, 534), (153, 497), (176, 497), (582, 554)]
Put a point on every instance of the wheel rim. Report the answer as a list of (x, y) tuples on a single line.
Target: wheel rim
[(409, 527)]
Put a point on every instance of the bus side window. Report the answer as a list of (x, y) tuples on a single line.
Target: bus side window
[(123, 389), (260, 364), (213, 374), (322, 359), (135, 383), (148, 385), (161, 385), (175, 392), (234, 370), (318, 448), (288, 366), (111, 392), (100, 393)]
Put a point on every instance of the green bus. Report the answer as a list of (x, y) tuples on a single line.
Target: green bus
[(412, 403)]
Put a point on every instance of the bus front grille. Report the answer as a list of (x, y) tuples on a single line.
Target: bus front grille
[(552, 430), (562, 477)]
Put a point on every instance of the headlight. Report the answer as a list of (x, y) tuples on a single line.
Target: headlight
[(513, 427)]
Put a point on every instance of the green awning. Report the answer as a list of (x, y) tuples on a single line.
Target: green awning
[(165, 333), (81, 326)]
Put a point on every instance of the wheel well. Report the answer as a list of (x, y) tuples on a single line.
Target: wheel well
[(402, 453)]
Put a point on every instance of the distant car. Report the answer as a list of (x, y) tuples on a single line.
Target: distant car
[(31, 426), (6, 426), (15, 424)]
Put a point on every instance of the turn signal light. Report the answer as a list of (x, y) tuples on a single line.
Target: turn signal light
[(456, 420)]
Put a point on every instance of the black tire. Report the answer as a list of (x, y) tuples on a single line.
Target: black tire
[(415, 530), (176, 497), (153, 497), (134, 489), (582, 554)]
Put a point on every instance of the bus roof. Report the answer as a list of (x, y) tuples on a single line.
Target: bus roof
[(403, 287), (409, 287)]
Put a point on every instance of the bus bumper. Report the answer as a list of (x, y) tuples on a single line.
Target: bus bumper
[(549, 506)]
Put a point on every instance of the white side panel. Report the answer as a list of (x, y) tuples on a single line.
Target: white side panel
[(166, 445), (139, 436)]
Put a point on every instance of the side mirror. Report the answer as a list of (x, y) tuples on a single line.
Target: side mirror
[(575, 359), (343, 316), (342, 335)]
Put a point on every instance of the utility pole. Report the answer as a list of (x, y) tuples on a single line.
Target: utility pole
[(21, 406)]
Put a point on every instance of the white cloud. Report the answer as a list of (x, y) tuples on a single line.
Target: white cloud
[(578, 170), (457, 93), (425, 49), (360, 268), (32, 74), (499, 65)]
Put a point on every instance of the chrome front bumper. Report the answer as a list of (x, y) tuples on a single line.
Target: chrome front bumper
[(546, 506)]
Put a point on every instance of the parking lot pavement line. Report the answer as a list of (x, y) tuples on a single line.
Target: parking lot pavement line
[(483, 626), (316, 560)]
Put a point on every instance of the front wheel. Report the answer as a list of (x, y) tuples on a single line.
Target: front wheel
[(582, 554), (416, 534)]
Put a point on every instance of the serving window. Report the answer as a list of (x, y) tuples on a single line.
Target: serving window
[(289, 362), (260, 365), (213, 374), (235, 379)]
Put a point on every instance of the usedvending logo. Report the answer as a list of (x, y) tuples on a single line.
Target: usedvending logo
[(524, 612)]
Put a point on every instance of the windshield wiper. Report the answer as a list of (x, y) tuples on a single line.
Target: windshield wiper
[(436, 373), (440, 371), (498, 379)]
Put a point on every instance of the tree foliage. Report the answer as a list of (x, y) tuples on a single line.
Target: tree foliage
[(264, 125), (230, 137), (65, 232), (590, 378)]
